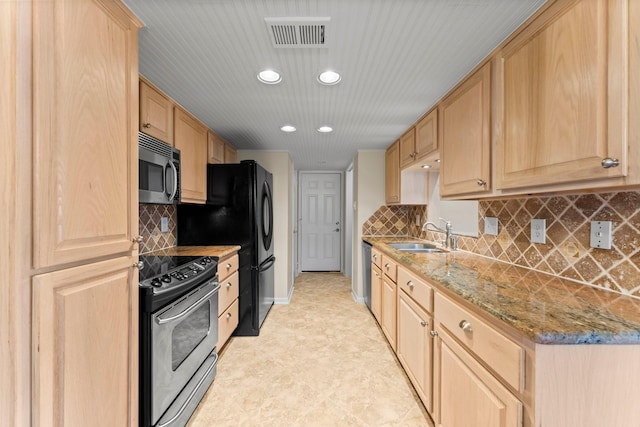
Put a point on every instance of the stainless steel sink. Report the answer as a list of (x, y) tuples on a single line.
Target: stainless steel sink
[(416, 247)]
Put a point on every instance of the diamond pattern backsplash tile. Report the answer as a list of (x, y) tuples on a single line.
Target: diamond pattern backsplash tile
[(567, 251), (149, 227)]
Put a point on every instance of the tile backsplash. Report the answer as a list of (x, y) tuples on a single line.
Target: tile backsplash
[(149, 227), (566, 253)]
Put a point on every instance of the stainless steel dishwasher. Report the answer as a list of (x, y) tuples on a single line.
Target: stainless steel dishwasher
[(366, 272)]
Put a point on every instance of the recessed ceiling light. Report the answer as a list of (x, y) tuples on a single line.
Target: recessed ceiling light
[(437, 160), (329, 77), (269, 77), (426, 166), (288, 128), (325, 129)]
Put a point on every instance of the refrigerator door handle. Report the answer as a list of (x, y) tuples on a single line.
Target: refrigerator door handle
[(267, 264)]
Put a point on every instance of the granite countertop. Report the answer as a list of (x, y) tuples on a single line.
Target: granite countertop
[(219, 251), (546, 309)]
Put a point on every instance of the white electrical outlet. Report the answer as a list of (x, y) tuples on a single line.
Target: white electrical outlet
[(491, 226), (418, 220), (538, 231), (601, 234), (164, 224)]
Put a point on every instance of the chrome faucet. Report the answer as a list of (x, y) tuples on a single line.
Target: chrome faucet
[(450, 240)]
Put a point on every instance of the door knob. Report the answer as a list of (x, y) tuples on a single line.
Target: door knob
[(337, 229)]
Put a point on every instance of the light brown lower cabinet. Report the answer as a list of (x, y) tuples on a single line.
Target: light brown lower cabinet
[(388, 315), (376, 292), (414, 346), (466, 393), (85, 345), (227, 298)]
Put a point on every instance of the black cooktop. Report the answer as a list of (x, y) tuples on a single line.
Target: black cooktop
[(155, 265)]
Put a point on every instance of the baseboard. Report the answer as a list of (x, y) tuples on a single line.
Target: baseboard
[(356, 298), (286, 300)]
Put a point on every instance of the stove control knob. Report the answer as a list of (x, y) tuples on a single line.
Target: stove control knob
[(156, 283), (166, 278)]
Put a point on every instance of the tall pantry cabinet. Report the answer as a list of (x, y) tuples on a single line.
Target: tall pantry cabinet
[(73, 199)]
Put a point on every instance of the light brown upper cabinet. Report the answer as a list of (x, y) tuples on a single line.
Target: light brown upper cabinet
[(156, 113), (216, 147), (564, 83), (85, 189), (420, 141), (191, 140), (392, 174), (230, 153), (465, 133)]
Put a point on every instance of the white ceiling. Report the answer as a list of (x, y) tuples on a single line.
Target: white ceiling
[(396, 58)]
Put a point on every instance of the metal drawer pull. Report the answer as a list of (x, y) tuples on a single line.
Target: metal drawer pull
[(410, 285), (608, 162), (138, 239), (433, 334), (424, 323), (228, 266), (386, 266), (228, 315), (229, 284), (466, 326), (139, 265), (146, 125), (481, 182)]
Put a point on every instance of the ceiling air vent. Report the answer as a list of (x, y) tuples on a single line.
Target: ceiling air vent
[(298, 32)]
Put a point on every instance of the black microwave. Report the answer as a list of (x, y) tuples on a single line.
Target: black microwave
[(158, 171)]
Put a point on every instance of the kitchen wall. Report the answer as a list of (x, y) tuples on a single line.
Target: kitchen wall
[(149, 227), (566, 253)]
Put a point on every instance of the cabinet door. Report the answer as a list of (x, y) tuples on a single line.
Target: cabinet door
[(230, 154), (376, 292), (408, 148), (156, 114), (191, 140), (427, 135), (415, 346), (389, 295), (565, 90), (467, 394), (392, 174), (85, 341), (216, 148), (85, 115), (465, 133)]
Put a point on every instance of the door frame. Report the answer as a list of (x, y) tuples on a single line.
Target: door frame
[(298, 217)]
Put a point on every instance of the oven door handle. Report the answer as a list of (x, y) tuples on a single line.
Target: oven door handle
[(162, 320)]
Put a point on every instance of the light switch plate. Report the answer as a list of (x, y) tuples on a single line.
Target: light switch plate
[(164, 224), (601, 234), (491, 226), (538, 231)]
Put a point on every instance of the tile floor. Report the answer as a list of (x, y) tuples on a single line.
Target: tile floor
[(319, 361)]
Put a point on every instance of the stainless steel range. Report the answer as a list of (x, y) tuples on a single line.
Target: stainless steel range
[(178, 334)]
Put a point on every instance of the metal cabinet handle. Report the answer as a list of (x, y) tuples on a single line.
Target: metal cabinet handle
[(374, 256), (410, 284), (146, 125), (466, 326), (228, 266), (138, 239), (608, 162), (139, 265), (433, 334), (481, 182), (228, 315), (386, 266), (229, 284), (424, 323)]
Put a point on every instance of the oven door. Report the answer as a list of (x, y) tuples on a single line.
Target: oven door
[(183, 335)]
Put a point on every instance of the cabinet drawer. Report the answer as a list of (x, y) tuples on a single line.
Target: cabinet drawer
[(227, 266), (376, 257), (228, 291), (389, 267), (498, 352), (227, 323), (416, 288)]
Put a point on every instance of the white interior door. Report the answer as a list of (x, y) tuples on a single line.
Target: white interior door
[(321, 228)]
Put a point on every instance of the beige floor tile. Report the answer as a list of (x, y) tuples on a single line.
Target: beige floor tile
[(319, 361)]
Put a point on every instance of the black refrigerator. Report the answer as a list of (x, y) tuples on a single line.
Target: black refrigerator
[(239, 211)]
